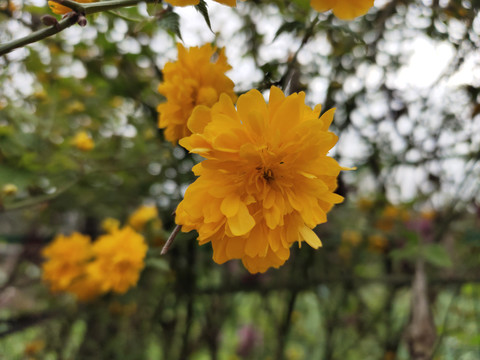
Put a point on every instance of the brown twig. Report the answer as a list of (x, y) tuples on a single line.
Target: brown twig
[(170, 239)]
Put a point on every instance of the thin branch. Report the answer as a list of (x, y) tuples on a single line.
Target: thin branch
[(71, 19), (170, 239), (36, 200), (38, 35)]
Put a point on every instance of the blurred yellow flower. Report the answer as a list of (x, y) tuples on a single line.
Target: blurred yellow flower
[(66, 257), (83, 141), (196, 78), (60, 9), (9, 189), (85, 288), (345, 252), (343, 9), (377, 243), (142, 215), (267, 180), (428, 214), (351, 237), (34, 347), (390, 215), (110, 225), (118, 260), (74, 106), (365, 204)]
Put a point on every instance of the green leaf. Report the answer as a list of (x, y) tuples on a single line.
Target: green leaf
[(290, 27), (409, 252), (170, 21), (436, 255), (472, 237), (202, 8), (158, 264), (18, 177)]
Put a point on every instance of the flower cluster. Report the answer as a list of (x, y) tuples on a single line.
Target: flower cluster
[(112, 263), (266, 180)]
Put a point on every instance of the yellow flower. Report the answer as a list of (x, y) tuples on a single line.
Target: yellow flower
[(119, 260), (83, 141), (34, 347), (377, 243), (343, 9), (9, 189), (66, 257), (351, 237), (110, 225), (142, 215), (390, 215), (60, 9), (365, 204), (194, 79), (196, 2), (267, 180), (85, 288)]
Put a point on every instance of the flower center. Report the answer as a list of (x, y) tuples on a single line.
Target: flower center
[(266, 173)]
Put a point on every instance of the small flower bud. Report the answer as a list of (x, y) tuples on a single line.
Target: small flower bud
[(82, 20), (49, 20)]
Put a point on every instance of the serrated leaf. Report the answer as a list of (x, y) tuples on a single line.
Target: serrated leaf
[(436, 255), (170, 21), (202, 8)]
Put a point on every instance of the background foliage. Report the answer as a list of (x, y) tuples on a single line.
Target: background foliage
[(405, 80)]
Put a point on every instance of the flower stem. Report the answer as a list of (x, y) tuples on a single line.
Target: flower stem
[(169, 242)]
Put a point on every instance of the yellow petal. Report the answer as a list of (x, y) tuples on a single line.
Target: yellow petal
[(231, 3), (348, 10), (230, 205), (323, 5), (310, 237), (201, 116), (242, 222)]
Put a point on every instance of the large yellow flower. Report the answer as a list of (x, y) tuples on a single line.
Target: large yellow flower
[(343, 9), (194, 79), (267, 180), (119, 260), (67, 257)]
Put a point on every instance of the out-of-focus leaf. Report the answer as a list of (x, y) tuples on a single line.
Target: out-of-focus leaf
[(409, 252), (292, 27), (159, 264), (203, 9), (18, 177), (472, 237), (170, 21), (436, 255)]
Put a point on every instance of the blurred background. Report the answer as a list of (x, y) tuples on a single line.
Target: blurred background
[(398, 275)]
